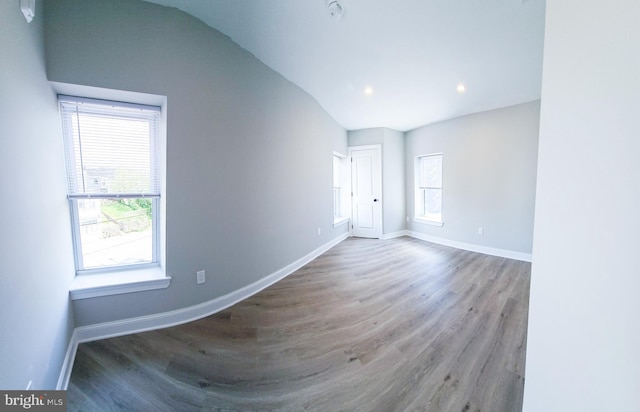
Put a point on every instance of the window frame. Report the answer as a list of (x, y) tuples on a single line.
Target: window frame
[(155, 160), (420, 192), (341, 203)]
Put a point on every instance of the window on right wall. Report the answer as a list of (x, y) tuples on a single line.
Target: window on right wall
[(428, 189)]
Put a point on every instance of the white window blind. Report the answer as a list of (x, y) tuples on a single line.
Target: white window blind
[(110, 148)]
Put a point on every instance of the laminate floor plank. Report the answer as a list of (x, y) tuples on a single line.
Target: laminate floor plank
[(370, 325)]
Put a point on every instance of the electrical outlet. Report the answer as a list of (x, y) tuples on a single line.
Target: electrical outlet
[(481, 231), (407, 218), (200, 276), (319, 231)]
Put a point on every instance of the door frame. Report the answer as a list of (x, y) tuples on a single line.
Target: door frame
[(350, 150)]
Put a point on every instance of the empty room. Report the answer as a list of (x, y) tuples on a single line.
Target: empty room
[(320, 205)]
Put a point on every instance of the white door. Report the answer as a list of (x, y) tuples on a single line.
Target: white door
[(366, 188)]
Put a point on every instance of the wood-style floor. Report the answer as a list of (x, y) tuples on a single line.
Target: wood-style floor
[(371, 325)]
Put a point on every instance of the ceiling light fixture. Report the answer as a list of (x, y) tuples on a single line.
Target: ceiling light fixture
[(368, 91), (335, 9), (461, 88)]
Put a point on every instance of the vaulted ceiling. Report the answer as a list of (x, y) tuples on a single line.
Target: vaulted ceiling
[(412, 54)]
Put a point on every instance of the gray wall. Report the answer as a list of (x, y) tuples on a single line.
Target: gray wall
[(489, 176), (583, 346), (393, 172), (249, 169), (393, 181), (365, 137), (248, 173), (36, 258)]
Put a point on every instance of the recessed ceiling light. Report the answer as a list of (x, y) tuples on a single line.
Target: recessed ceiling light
[(368, 91), (460, 88)]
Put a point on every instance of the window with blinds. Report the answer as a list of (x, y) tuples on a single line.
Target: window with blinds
[(429, 188), (111, 151)]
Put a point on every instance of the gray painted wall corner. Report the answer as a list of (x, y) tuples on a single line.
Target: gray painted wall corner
[(36, 257), (489, 176)]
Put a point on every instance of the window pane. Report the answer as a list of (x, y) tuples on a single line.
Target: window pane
[(336, 171), (115, 232), (336, 202), (428, 190), (431, 171), (433, 204)]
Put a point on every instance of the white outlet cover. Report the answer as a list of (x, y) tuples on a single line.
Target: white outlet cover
[(200, 276)]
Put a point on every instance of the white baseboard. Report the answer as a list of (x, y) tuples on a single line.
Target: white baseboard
[(67, 364), (510, 254), (392, 235), (179, 316)]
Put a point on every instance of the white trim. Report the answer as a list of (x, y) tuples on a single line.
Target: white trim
[(393, 235), (179, 316), (379, 221), (510, 254), (70, 89), (427, 221), (343, 156), (365, 147), (67, 364), (120, 288), (340, 221), (117, 282)]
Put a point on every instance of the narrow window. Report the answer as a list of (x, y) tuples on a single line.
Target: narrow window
[(341, 186), (112, 161), (337, 188), (428, 192)]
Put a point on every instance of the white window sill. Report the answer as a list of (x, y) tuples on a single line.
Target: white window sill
[(340, 221), (115, 283), (427, 221)]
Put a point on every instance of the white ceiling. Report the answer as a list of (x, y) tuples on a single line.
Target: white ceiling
[(412, 53)]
